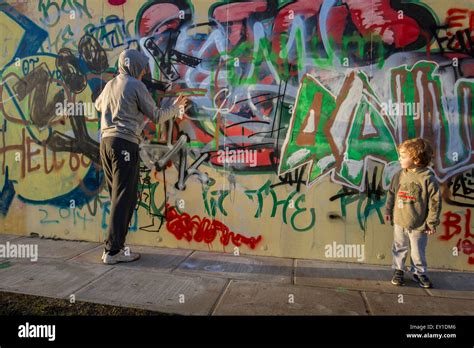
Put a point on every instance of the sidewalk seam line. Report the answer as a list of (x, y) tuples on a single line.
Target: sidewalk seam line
[(13, 239), (382, 291), (184, 260), (366, 303), (220, 297), (85, 251), (92, 281), (293, 278)]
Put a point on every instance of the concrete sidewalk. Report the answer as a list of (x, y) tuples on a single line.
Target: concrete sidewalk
[(204, 283)]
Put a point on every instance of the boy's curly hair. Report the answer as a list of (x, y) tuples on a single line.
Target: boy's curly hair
[(419, 150)]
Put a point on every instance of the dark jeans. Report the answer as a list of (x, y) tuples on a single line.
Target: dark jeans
[(120, 162)]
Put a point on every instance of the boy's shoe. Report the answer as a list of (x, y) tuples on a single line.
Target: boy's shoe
[(423, 281), (397, 278), (121, 256)]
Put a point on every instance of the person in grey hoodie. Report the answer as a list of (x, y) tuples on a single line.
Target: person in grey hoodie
[(123, 103), (413, 205)]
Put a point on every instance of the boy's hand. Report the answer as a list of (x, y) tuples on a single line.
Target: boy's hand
[(431, 231)]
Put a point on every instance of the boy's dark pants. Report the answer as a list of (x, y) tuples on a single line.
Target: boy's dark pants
[(120, 162)]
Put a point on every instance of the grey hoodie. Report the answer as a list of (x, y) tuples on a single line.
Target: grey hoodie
[(125, 101), (414, 200)]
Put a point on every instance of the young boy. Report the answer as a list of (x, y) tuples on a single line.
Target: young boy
[(123, 104), (414, 205)]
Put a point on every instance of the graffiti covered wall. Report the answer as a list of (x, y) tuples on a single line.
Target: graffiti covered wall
[(289, 144)]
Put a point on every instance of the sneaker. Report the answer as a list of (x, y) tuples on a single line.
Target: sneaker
[(397, 278), (105, 252), (423, 281), (124, 255)]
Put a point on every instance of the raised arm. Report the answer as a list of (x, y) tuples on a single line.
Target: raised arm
[(149, 108)]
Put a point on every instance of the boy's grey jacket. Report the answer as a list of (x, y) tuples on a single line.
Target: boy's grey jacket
[(414, 200), (125, 100)]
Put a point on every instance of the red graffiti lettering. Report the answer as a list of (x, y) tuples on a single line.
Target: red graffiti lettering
[(204, 230), (451, 222), (452, 226), (467, 247)]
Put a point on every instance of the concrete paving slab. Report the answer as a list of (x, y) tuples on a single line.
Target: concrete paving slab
[(389, 304), (169, 293), (253, 298), (56, 249), (452, 284), (48, 278), (351, 276), (152, 259), (263, 269)]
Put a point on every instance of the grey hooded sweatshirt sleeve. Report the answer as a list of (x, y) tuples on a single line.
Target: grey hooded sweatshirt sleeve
[(125, 101)]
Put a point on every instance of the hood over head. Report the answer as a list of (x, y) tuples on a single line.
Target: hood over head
[(132, 62)]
